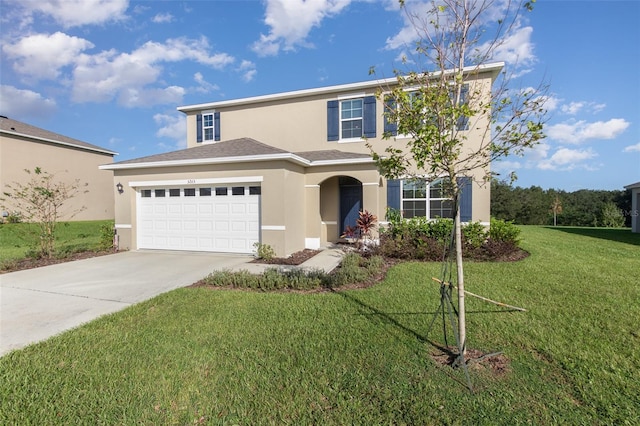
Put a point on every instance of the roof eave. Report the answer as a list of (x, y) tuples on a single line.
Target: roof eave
[(494, 68), (53, 141)]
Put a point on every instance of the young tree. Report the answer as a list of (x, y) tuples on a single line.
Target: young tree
[(435, 106), (41, 201), (612, 216), (556, 209)]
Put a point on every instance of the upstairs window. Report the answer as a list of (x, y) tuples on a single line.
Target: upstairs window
[(207, 127), (351, 119)]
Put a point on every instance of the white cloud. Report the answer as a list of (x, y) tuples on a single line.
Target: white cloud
[(290, 22), (41, 56), (516, 48), (73, 13), (574, 108), (568, 159), (632, 148), (203, 85), (248, 70), (580, 131), (21, 104), (173, 127), (101, 77), (162, 18)]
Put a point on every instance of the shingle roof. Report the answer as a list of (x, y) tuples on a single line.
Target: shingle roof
[(234, 148), (243, 149), (15, 127)]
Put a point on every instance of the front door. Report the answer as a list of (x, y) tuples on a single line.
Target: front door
[(350, 202)]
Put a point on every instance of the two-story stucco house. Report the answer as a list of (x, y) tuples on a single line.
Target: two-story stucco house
[(290, 170)]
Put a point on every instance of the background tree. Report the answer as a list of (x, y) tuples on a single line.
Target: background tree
[(612, 216), (556, 209), (435, 106), (42, 201)]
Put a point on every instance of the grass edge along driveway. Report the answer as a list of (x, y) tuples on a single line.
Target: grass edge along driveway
[(356, 357)]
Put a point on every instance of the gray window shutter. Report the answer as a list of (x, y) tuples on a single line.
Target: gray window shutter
[(216, 125), (466, 199), (393, 194), (390, 127), (199, 128), (333, 121), (369, 117)]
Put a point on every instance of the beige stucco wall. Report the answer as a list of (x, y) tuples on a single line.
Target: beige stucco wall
[(67, 164), (282, 201)]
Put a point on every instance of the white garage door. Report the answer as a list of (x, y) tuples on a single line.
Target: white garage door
[(212, 218)]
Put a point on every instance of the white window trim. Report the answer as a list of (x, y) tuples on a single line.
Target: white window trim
[(348, 97), (427, 198), (212, 127)]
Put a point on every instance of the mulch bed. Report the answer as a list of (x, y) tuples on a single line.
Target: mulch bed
[(30, 263), (295, 259)]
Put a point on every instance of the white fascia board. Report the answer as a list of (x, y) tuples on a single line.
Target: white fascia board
[(345, 161), (201, 161), (495, 67), (184, 182), (53, 141)]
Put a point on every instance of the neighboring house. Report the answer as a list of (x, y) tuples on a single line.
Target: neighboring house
[(635, 206), (23, 146), (290, 170)]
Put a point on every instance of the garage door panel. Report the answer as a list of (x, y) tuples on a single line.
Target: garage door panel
[(225, 223)]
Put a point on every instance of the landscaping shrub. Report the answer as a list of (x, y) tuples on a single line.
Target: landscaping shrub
[(504, 231), (106, 236), (354, 269), (474, 234), (264, 251)]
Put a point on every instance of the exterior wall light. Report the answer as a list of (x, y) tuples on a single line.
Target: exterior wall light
[(120, 188)]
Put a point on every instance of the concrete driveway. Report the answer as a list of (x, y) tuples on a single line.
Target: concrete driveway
[(39, 303)]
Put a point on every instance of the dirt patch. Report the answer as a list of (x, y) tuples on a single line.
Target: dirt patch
[(30, 263), (497, 364), (295, 259)]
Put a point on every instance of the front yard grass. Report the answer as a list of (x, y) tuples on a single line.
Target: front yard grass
[(71, 237), (202, 356)]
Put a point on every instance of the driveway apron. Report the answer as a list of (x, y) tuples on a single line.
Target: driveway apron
[(36, 304)]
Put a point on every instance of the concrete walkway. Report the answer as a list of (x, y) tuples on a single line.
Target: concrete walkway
[(36, 304)]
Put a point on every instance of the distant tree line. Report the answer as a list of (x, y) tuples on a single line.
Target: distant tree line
[(537, 206)]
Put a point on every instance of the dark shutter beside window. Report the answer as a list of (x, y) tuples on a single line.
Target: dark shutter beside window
[(216, 125), (393, 194), (390, 126), (466, 200), (369, 117), (333, 121), (463, 121), (199, 128)]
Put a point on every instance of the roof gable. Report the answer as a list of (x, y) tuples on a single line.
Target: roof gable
[(17, 128)]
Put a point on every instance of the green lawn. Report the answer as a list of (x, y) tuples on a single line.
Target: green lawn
[(199, 356), (71, 237)]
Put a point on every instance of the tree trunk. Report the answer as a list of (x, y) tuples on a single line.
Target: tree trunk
[(462, 321)]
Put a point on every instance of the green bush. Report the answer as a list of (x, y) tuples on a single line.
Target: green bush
[(264, 251), (504, 231), (107, 232), (474, 234)]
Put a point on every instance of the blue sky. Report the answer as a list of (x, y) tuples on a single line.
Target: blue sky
[(112, 73)]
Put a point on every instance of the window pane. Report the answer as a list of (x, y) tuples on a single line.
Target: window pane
[(208, 120), (208, 134), (221, 191), (414, 209), (146, 193), (205, 192), (441, 208), (175, 192), (237, 190), (351, 129), (351, 109), (414, 189), (189, 192), (160, 193), (255, 190)]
